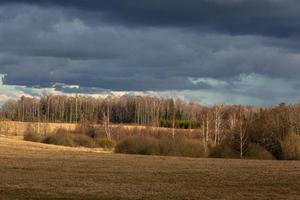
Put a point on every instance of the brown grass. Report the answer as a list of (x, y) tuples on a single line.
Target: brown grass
[(19, 128), (38, 171)]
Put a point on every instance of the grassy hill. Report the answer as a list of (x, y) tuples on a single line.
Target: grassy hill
[(38, 171)]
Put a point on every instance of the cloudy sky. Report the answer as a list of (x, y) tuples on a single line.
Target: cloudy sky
[(212, 51)]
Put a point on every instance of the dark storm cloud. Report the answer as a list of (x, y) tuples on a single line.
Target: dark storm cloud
[(267, 17), (225, 49), (46, 45)]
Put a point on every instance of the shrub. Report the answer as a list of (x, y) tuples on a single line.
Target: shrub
[(169, 146), (86, 128), (255, 151), (181, 147), (105, 143), (138, 145), (31, 135), (223, 150), (165, 146), (83, 140), (61, 137), (192, 148), (291, 147)]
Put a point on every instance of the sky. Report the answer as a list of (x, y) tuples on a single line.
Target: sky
[(211, 51)]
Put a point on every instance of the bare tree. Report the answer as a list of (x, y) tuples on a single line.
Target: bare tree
[(106, 119), (245, 117)]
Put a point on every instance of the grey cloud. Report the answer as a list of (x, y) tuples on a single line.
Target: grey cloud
[(266, 17), (116, 57), (43, 45)]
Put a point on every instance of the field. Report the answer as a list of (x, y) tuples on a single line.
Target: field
[(18, 128), (38, 171)]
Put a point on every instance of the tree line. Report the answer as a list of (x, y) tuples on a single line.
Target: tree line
[(128, 110), (234, 125)]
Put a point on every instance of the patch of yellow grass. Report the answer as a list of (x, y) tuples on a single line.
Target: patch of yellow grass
[(18, 128)]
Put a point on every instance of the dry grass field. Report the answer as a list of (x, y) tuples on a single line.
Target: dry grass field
[(18, 128), (38, 171)]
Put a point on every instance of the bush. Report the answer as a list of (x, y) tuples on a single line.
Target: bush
[(165, 146), (193, 148), (105, 143), (291, 147), (86, 128), (84, 140), (169, 146), (223, 150), (181, 147), (31, 135), (138, 145), (61, 137), (255, 151)]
